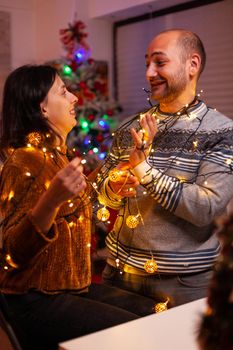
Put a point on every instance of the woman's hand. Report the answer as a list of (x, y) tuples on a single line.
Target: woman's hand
[(67, 183), (143, 139)]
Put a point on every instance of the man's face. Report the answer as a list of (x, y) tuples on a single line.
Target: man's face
[(166, 69)]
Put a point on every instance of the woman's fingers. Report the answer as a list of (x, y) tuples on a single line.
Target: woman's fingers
[(69, 181), (74, 166)]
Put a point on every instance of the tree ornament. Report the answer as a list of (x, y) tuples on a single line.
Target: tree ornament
[(114, 175), (160, 307), (132, 221), (103, 214), (151, 266)]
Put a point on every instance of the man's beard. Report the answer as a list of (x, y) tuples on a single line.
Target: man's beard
[(172, 88)]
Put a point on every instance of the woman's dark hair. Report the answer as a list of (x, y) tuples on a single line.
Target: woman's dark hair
[(25, 88)]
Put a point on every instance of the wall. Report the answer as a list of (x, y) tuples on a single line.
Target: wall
[(22, 16), (36, 23), (22, 34), (105, 7), (53, 15), (35, 26), (116, 10)]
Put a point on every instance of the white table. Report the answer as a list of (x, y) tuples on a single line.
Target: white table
[(174, 329)]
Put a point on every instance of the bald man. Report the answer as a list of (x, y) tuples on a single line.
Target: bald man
[(174, 177)]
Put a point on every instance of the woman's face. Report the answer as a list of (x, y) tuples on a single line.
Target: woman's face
[(59, 108)]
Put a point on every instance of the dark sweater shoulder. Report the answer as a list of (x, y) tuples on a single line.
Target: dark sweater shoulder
[(217, 121)]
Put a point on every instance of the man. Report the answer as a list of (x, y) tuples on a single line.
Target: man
[(170, 183)]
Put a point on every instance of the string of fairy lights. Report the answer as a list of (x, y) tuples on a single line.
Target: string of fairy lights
[(132, 221), (108, 171), (34, 139)]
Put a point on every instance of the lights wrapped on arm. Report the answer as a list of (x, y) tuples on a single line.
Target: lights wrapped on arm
[(6, 261)]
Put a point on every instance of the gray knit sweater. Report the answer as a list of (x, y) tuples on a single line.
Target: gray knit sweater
[(186, 182)]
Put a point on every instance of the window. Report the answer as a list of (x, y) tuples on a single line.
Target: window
[(212, 22)]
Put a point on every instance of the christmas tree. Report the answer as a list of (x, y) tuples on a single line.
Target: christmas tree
[(96, 115)]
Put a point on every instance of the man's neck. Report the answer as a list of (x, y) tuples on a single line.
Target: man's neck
[(177, 104)]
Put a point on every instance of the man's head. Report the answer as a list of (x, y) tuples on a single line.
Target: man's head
[(175, 60)]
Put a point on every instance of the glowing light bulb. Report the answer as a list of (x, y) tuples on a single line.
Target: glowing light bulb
[(67, 70), (114, 175), (195, 143), (47, 183), (103, 214), (160, 307), (11, 195), (34, 138), (84, 125), (132, 221), (151, 266)]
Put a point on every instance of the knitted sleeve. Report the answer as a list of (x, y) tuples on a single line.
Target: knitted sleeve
[(199, 200)]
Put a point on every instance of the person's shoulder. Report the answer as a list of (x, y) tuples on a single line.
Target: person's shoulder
[(25, 157), (220, 120)]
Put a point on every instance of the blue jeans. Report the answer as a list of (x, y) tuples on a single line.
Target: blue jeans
[(43, 320), (180, 289)]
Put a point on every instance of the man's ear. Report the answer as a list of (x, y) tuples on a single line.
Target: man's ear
[(195, 64)]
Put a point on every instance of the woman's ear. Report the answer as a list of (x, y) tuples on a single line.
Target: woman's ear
[(43, 109)]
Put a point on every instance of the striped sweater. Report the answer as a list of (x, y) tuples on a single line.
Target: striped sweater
[(184, 184)]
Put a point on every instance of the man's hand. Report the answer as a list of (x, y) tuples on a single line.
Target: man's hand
[(143, 139), (126, 183)]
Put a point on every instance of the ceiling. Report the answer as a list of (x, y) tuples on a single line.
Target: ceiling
[(143, 9)]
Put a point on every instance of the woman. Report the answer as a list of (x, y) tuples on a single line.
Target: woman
[(46, 210)]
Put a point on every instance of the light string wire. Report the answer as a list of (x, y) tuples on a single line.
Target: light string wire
[(32, 178), (171, 122), (109, 163)]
